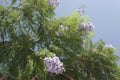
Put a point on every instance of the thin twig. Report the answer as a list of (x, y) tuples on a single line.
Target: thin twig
[(4, 77), (53, 77), (34, 77), (69, 77)]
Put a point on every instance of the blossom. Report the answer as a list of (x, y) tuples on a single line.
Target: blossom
[(108, 46), (87, 26), (81, 10), (54, 65), (54, 3)]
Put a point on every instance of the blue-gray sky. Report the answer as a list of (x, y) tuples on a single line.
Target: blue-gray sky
[(105, 14)]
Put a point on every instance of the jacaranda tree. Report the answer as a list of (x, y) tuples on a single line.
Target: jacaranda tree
[(36, 46)]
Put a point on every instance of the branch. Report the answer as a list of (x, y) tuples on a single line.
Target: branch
[(69, 77), (4, 77), (34, 77)]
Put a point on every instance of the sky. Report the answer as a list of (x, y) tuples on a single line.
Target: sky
[(104, 14)]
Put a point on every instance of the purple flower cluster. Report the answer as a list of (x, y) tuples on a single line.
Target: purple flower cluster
[(54, 3), (54, 65), (88, 26), (80, 11), (108, 46)]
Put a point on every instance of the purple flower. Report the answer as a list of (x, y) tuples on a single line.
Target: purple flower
[(54, 65), (54, 3), (88, 26), (108, 46), (81, 10)]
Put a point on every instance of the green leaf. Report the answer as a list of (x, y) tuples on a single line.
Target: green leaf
[(14, 1), (91, 33)]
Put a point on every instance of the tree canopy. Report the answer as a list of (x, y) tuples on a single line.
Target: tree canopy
[(32, 38)]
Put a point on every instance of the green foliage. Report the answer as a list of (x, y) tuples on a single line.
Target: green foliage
[(31, 23)]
